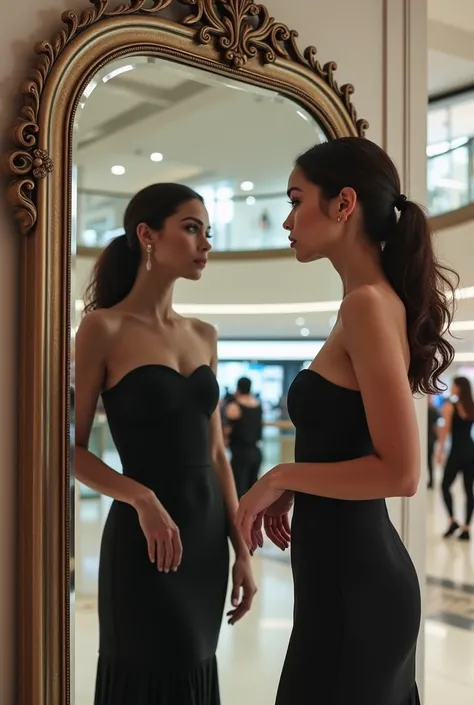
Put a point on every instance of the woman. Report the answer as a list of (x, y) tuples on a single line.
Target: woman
[(357, 600), (458, 414), (164, 556)]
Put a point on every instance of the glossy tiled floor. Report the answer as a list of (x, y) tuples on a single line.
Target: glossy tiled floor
[(251, 653)]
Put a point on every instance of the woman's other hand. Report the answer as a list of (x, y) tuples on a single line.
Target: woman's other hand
[(161, 533)]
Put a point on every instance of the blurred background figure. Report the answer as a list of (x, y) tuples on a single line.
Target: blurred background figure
[(244, 421), (433, 419), (458, 415)]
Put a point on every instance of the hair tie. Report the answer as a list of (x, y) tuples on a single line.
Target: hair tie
[(400, 202)]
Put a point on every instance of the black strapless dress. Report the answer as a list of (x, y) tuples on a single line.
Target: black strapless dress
[(159, 632), (357, 599)]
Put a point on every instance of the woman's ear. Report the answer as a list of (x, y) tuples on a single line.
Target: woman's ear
[(144, 235), (347, 202)]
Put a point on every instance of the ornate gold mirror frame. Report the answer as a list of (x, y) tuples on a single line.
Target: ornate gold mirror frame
[(234, 38)]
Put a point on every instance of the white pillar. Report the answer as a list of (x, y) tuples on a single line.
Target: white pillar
[(405, 108)]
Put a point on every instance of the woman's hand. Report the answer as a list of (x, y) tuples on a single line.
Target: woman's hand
[(252, 508), (161, 533), (243, 589), (276, 521)]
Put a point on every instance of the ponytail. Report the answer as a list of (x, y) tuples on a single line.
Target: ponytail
[(427, 290), (113, 275)]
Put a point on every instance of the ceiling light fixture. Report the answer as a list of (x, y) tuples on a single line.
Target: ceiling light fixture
[(89, 89), (118, 170), (300, 321), (246, 186), (302, 115), (250, 200), (117, 72), (156, 157), (304, 332)]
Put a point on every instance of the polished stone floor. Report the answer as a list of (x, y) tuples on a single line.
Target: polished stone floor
[(252, 652)]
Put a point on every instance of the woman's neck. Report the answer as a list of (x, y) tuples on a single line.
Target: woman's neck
[(151, 295)]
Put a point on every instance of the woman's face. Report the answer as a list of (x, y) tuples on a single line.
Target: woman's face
[(312, 231), (181, 247), (454, 390)]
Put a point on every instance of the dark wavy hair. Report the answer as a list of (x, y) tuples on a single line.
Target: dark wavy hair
[(425, 287), (117, 267), (465, 396)]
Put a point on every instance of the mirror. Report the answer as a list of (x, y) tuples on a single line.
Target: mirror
[(143, 120), (223, 93)]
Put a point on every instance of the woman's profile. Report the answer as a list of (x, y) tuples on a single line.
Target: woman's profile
[(458, 414), (164, 556), (357, 598)]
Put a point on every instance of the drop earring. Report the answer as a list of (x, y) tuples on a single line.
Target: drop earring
[(148, 260)]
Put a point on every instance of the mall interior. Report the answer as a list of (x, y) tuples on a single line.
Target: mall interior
[(143, 120)]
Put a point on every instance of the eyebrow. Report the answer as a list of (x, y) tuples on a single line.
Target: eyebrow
[(196, 220), (293, 188)]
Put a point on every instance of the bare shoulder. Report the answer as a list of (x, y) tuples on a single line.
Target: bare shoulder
[(206, 331), (373, 306), (374, 324), (97, 328), (369, 299)]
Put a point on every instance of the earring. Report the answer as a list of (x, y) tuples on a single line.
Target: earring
[(148, 260), (340, 218)]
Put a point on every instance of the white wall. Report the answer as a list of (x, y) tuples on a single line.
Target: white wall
[(379, 46)]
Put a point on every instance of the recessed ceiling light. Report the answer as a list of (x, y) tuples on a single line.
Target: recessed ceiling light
[(246, 186), (156, 157), (250, 200), (118, 170), (304, 332), (300, 321)]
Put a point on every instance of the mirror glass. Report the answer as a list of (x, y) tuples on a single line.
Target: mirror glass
[(140, 121)]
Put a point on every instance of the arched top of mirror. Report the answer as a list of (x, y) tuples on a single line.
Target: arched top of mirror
[(233, 38)]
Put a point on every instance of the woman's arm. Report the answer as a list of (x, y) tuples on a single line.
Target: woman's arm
[(90, 352), (377, 351)]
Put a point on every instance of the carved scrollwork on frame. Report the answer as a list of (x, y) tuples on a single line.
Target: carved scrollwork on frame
[(240, 30), (244, 30)]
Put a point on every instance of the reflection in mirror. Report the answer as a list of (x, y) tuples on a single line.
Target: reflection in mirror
[(145, 121)]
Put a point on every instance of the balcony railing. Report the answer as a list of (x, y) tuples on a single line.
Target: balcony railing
[(451, 179)]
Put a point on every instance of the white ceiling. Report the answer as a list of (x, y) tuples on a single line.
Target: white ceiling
[(161, 107), (451, 45), (456, 13), (447, 72)]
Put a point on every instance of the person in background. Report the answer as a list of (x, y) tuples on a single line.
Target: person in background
[(433, 418), (244, 431), (458, 414)]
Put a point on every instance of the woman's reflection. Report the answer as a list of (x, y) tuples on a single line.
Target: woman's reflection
[(164, 556)]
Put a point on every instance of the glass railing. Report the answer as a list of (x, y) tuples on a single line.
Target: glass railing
[(451, 179), (254, 221)]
